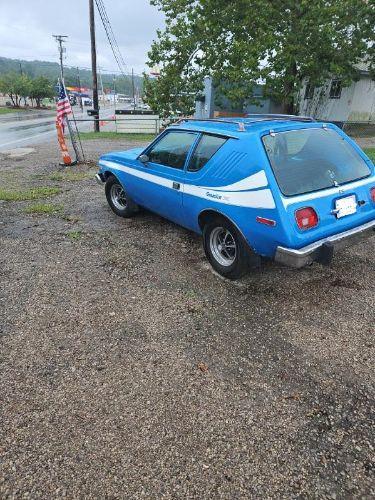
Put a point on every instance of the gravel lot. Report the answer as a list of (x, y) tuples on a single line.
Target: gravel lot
[(128, 369)]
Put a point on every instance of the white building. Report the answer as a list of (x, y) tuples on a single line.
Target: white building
[(334, 102)]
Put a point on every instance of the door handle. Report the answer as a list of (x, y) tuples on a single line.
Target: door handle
[(176, 185)]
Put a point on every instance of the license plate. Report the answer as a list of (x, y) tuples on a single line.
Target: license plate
[(346, 206)]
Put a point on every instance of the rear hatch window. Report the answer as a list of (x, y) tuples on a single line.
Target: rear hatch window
[(308, 160)]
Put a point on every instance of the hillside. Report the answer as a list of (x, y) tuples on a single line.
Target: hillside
[(51, 70)]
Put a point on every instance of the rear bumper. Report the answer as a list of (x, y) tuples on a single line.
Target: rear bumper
[(322, 250)]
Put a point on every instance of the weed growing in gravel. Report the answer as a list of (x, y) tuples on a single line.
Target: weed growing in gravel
[(71, 218), (43, 208), (29, 194), (10, 179), (74, 235), (69, 176)]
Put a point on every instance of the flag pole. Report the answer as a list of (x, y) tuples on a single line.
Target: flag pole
[(60, 40), (72, 139), (67, 161), (61, 119), (71, 132)]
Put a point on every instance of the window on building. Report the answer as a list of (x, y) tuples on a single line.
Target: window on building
[(207, 147), (335, 90), (172, 149), (309, 91)]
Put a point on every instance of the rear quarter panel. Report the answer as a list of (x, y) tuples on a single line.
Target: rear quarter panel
[(235, 183)]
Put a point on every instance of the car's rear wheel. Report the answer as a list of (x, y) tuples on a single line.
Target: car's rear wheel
[(225, 248), (118, 199)]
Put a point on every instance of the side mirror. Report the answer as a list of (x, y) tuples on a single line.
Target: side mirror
[(144, 159)]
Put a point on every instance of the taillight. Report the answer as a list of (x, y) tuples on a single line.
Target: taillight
[(306, 218), (372, 192)]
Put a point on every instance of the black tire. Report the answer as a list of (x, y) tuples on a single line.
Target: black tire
[(238, 258), (121, 204)]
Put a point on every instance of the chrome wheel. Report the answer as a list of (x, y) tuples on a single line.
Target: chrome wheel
[(223, 246), (118, 197)]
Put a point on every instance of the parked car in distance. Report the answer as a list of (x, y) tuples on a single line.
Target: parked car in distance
[(86, 101), (72, 99), (283, 187)]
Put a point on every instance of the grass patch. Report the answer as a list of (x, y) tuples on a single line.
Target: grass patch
[(370, 153), (86, 136), (74, 235), (29, 194), (43, 208), (69, 176), (4, 111)]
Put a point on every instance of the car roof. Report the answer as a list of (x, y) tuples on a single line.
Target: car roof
[(239, 126)]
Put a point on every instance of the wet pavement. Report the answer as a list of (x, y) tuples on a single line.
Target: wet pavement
[(29, 127)]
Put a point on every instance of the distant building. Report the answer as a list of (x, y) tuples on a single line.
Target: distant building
[(334, 102), (212, 103), (263, 104)]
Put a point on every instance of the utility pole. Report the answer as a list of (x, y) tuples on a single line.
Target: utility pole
[(60, 40), (133, 88), (101, 85), (114, 90), (93, 66), (80, 90), (21, 72)]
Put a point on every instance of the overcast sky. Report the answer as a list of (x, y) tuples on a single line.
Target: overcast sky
[(26, 28)]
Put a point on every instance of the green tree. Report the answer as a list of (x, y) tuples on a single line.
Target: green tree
[(41, 88), (23, 85), (51, 71), (16, 86), (240, 43)]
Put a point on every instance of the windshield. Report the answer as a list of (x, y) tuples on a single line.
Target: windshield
[(311, 159)]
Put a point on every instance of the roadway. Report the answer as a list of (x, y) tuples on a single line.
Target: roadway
[(25, 128)]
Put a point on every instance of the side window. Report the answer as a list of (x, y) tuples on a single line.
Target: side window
[(309, 91), (172, 149), (207, 147), (335, 90)]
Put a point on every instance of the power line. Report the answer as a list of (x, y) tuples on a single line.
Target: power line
[(111, 37)]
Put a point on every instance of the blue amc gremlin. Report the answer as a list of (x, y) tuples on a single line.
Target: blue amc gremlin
[(284, 187)]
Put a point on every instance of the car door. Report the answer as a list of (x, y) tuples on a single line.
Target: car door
[(161, 185)]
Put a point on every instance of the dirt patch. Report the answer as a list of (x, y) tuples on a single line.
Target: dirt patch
[(129, 369), (17, 152)]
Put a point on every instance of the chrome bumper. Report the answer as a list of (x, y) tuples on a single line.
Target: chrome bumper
[(99, 179), (322, 251)]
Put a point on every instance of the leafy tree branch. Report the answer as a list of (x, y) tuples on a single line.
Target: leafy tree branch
[(243, 42)]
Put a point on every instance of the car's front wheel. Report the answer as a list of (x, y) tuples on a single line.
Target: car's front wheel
[(225, 248), (118, 198)]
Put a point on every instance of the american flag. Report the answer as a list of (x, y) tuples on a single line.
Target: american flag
[(63, 105)]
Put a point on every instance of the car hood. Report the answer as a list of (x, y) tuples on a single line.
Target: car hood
[(129, 154)]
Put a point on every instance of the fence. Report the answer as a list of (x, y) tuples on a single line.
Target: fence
[(137, 123), (134, 123), (359, 129), (129, 126)]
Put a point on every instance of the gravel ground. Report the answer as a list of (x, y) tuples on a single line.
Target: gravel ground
[(128, 369)]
